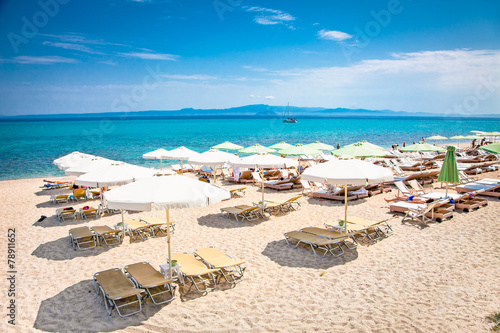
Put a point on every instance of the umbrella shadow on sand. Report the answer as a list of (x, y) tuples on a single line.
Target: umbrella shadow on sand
[(79, 308), (217, 221), (328, 202), (284, 255), (61, 249)]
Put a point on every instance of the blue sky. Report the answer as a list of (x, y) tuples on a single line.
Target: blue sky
[(68, 56)]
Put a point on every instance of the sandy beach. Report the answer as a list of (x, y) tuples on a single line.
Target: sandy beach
[(440, 278)]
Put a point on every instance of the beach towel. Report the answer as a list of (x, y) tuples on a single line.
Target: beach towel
[(236, 174)]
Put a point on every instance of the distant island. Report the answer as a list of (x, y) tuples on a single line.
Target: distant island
[(247, 111)]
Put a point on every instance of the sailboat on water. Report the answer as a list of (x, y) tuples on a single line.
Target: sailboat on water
[(286, 113)]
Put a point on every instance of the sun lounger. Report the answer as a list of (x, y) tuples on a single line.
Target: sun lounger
[(146, 277), (339, 195), (315, 242), (288, 205), (331, 234), (231, 269), (61, 198), (279, 185), (107, 235), (306, 188), (423, 212), (117, 291), (246, 177), (157, 225), (90, 212), (243, 212), (237, 192), (416, 187), (206, 171), (82, 238), (80, 194), (54, 184), (465, 201), (138, 229), (272, 175), (196, 273), (487, 189), (366, 226), (67, 213)]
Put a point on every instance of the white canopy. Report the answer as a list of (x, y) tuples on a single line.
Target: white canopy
[(157, 154), (213, 157), (264, 162), (165, 192), (352, 172), (71, 160), (88, 165), (181, 153), (115, 174)]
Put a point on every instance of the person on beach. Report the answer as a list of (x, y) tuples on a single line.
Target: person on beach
[(404, 144), (338, 146), (473, 143), (423, 140), (482, 141)]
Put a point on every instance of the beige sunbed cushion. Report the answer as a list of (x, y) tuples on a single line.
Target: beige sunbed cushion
[(116, 285), (310, 238), (80, 232), (146, 275), (134, 224), (190, 266), (217, 258)]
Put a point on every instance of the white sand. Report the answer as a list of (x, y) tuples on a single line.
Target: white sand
[(442, 278)]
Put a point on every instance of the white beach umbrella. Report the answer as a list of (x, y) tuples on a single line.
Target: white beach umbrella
[(164, 193), (348, 172), (264, 162), (180, 154), (88, 165), (158, 154), (213, 158), (71, 160), (115, 174)]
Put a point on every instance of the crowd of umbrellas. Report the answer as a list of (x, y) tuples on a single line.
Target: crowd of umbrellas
[(144, 189)]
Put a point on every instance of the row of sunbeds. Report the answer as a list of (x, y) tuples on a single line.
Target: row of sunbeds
[(333, 238), (126, 290), (256, 212)]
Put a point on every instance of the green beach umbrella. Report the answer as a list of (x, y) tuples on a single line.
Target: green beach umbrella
[(449, 171), (280, 145), (458, 137), (256, 149), (471, 137), (364, 143), (421, 147), (320, 146), (437, 137), (492, 148), (227, 146), (299, 150), (359, 150)]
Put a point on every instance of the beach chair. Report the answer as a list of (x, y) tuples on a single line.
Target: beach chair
[(61, 198), (238, 192), (272, 175), (157, 225), (465, 178), (54, 184), (80, 194), (67, 213), (339, 194), (144, 276), (82, 238), (256, 178), (89, 212), (315, 242), (331, 234), (367, 226), (107, 235), (206, 171), (197, 274), (416, 187), (306, 188), (403, 189), (465, 201), (279, 185), (137, 229), (118, 291), (230, 269), (243, 212), (423, 212), (484, 188)]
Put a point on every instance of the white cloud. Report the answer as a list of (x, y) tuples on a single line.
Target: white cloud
[(189, 77), (70, 46), (269, 97), (46, 60), (335, 35), (267, 16), (256, 69), (151, 56)]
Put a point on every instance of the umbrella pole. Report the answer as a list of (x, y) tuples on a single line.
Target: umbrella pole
[(446, 190), (161, 164), (215, 170), (345, 207), (182, 168), (262, 188), (168, 242), (123, 224)]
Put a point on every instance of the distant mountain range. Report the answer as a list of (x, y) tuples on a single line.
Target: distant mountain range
[(247, 111)]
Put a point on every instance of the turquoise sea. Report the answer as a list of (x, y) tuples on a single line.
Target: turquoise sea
[(27, 148)]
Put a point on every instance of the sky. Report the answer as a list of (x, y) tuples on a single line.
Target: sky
[(68, 56)]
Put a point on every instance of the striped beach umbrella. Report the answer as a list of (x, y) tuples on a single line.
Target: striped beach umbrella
[(280, 145), (364, 143), (226, 145), (449, 170), (320, 146)]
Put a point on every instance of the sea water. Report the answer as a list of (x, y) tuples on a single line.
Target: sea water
[(28, 147)]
